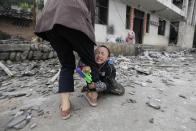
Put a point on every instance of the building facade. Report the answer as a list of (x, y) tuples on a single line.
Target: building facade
[(155, 22)]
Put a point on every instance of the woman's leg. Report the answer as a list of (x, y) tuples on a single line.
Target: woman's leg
[(85, 49), (67, 59), (83, 46)]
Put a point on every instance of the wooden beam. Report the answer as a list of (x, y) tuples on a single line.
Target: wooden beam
[(6, 70)]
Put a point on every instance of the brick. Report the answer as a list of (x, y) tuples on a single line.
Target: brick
[(4, 55), (12, 56), (30, 55), (18, 56), (14, 47), (37, 55), (24, 55)]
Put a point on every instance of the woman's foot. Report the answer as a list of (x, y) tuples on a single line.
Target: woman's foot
[(65, 113), (91, 97), (65, 106)]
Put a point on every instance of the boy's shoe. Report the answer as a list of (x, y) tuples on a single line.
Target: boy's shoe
[(115, 87), (91, 97)]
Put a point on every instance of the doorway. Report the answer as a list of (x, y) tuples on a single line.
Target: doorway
[(194, 40), (138, 25), (173, 37)]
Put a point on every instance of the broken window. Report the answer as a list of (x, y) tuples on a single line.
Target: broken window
[(101, 12), (128, 15), (194, 41), (178, 3), (161, 28)]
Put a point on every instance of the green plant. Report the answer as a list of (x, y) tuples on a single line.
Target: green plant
[(25, 6)]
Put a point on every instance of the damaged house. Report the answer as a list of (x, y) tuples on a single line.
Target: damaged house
[(154, 22)]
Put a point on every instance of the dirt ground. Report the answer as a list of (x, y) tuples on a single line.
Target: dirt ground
[(160, 96)]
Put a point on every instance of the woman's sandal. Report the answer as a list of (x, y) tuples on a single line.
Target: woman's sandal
[(91, 100), (65, 114)]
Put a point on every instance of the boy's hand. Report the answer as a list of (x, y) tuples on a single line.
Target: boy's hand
[(86, 69), (91, 86)]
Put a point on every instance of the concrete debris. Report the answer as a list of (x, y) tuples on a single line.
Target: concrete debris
[(23, 117), (28, 73), (6, 83), (168, 82), (20, 121), (131, 101), (132, 92), (11, 90), (153, 105), (33, 125), (54, 77), (6, 69), (175, 77), (13, 108), (143, 71), (160, 73), (162, 56), (20, 112), (55, 88), (167, 66), (193, 119), (28, 94), (2, 97), (149, 81), (182, 96), (151, 120), (143, 84), (14, 94)]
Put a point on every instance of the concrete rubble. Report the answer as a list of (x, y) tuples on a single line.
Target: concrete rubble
[(16, 50), (28, 100)]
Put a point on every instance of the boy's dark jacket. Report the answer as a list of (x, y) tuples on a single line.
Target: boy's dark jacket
[(107, 71), (107, 74)]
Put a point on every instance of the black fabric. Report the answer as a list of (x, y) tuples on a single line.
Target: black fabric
[(65, 41), (107, 74), (107, 71)]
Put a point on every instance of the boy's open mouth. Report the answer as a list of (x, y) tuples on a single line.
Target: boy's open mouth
[(99, 60)]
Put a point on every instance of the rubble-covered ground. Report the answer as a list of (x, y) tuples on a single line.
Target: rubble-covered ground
[(160, 96)]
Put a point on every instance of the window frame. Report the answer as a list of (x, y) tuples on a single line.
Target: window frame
[(161, 27), (102, 6), (128, 17), (148, 23)]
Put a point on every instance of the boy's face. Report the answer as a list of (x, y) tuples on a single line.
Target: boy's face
[(101, 55)]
